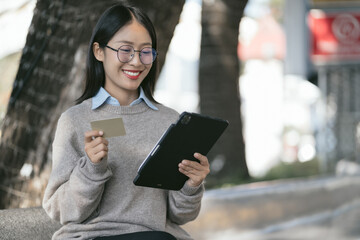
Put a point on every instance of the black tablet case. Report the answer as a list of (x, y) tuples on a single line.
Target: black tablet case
[(191, 133)]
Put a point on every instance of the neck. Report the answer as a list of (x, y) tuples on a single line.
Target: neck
[(125, 97)]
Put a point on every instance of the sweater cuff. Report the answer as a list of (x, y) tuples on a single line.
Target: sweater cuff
[(187, 190), (95, 171)]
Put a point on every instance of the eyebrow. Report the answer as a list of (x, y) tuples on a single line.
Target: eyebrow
[(131, 43)]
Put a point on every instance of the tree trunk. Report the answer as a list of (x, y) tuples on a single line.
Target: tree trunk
[(218, 86), (48, 81)]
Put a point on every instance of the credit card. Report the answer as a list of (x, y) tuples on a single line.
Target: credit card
[(113, 127)]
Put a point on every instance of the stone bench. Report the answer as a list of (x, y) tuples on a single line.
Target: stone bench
[(26, 223)]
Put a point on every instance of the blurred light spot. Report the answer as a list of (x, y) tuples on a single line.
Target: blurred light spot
[(347, 168), (218, 163), (26, 170), (306, 153)]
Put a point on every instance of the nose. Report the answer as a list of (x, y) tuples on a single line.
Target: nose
[(136, 59)]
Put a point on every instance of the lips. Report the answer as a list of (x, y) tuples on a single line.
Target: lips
[(132, 74)]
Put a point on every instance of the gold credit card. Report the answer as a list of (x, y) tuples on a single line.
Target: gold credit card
[(111, 127)]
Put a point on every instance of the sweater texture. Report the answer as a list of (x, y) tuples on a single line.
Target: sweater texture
[(92, 200)]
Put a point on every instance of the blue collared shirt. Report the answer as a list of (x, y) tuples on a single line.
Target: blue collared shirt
[(103, 97)]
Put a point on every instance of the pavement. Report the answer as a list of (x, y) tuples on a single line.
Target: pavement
[(326, 208)]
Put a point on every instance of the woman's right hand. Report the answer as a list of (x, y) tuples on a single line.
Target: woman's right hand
[(96, 146)]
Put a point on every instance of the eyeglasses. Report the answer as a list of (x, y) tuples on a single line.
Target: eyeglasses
[(126, 52)]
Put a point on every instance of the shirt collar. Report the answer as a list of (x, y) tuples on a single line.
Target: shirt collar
[(103, 97), (142, 97)]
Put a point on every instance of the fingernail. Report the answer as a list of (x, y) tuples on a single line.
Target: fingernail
[(101, 132)]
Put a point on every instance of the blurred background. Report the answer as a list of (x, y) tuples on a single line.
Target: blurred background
[(297, 108)]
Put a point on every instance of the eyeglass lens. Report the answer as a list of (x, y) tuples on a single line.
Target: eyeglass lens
[(126, 53)]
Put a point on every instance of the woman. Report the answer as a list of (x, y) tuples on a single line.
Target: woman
[(90, 190)]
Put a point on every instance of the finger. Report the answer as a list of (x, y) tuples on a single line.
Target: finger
[(194, 180), (92, 134), (201, 165), (186, 169), (100, 148), (188, 173), (196, 176), (97, 145), (187, 165), (95, 158), (90, 147), (199, 171), (96, 153), (99, 140), (195, 168), (100, 155), (203, 159)]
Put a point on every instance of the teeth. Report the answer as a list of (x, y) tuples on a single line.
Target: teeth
[(132, 73)]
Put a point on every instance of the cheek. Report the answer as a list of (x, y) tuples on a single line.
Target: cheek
[(112, 67), (147, 70)]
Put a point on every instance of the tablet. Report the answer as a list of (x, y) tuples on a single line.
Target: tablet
[(191, 133)]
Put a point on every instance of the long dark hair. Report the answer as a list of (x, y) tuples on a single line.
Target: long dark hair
[(109, 23)]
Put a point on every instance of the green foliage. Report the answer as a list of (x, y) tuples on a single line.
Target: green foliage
[(293, 170), (280, 171)]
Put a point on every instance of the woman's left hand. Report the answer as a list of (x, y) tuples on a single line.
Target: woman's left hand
[(196, 171)]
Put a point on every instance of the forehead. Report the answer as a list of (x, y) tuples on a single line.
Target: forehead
[(132, 32)]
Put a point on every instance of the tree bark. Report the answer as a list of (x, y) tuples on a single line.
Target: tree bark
[(48, 81), (218, 86)]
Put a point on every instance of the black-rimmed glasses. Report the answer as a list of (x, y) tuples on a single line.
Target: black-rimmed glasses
[(126, 52)]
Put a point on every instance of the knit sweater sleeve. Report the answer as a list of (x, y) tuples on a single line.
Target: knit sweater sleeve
[(76, 184), (184, 205)]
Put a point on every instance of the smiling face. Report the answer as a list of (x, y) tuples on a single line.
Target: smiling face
[(122, 80)]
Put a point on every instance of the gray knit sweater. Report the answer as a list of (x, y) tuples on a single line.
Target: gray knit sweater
[(92, 200)]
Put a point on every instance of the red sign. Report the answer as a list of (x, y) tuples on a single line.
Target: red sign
[(335, 36)]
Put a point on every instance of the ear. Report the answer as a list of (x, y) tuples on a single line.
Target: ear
[(98, 52)]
